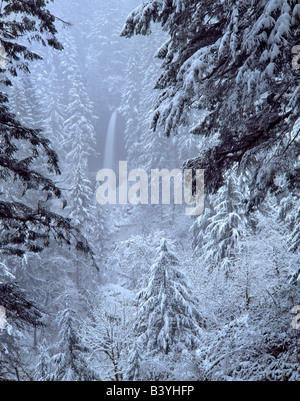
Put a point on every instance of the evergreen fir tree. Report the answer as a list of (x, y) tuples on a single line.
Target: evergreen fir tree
[(42, 371), (133, 372), (200, 225), (168, 318), (53, 107), (71, 363), (107, 53), (295, 236), (79, 146), (226, 226), (19, 235), (80, 133)]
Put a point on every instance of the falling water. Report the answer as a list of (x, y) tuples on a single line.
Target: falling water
[(109, 155)]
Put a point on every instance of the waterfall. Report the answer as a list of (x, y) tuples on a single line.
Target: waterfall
[(109, 155)]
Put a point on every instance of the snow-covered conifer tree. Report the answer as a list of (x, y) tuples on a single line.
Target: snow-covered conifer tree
[(50, 94), (80, 145), (168, 318), (106, 53), (133, 372), (71, 362), (295, 236), (43, 368), (226, 226), (212, 61)]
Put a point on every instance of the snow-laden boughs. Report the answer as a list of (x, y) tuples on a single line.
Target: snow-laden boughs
[(21, 313), (137, 256), (168, 319), (28, 162), (200, 225), (289, 214), (108, 334), (234, 60), (226, 226), (133, 372), (31, 20), (42, 371), (222, 353), (71, 362), (19, 310), (295, 236), (106, 53), (79, 146), (258, 346), (21, 147)]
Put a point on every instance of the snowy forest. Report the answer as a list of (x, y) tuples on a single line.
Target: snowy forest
[(143, 292)]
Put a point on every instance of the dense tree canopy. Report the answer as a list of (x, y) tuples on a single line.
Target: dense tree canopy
[(214, 301), (24, 227), (234, 59)]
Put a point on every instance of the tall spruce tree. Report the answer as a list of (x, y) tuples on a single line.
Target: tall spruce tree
[(295, 236), (168, 318), (70, 363), (133, 372), (42, 370), (79, 146), (226, 226), (106, 50), (53, 106)]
